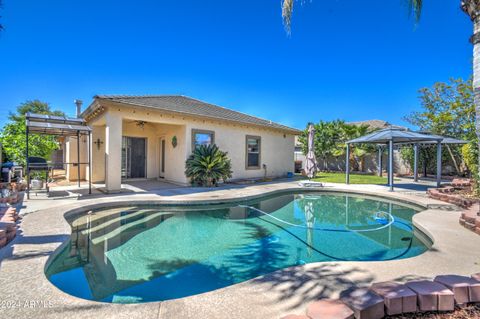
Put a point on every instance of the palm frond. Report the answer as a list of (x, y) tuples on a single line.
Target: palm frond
[(1, 6), (287, 10), (207, 165), (415, 7)]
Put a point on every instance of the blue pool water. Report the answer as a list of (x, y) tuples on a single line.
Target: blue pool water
[(153, 253)]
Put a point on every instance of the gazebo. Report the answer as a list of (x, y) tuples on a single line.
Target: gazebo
[(56, 126), (398, 136)]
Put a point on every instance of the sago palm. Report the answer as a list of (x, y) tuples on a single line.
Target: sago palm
[(208, 165), (470, 7)]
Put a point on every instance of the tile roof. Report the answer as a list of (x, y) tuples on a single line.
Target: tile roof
[(376, 124), (189, 106)]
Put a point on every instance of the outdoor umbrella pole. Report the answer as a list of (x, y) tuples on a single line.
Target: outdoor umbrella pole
[(311, 164), (347, 165)]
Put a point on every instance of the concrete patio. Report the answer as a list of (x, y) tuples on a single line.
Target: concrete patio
[(27, 293)]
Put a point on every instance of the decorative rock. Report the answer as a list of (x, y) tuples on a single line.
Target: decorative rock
[(11, 235), (329, 309), (7, 219), (8, 226), (465, 289), (364, 303), (398, 298), (432, 296)]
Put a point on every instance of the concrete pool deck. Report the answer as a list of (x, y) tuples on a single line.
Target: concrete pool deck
[(25, 291)]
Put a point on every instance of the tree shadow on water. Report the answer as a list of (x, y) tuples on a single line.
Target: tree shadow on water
[(263, 255)]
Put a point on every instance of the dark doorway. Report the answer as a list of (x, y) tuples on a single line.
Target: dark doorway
[(134, 157)]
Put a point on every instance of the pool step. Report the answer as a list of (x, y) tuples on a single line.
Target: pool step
[(392, 298), (112, 221), (117, 231)]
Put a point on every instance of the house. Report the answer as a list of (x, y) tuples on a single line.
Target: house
[(377, 124), (150, 137)]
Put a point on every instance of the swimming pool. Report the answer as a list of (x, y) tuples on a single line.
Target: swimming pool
[(152, 253)]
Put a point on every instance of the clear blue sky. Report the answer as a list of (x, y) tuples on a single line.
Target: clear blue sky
[(347, 59)]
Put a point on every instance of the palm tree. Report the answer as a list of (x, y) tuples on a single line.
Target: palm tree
[(1, 27), (470, 7), (208, 165)]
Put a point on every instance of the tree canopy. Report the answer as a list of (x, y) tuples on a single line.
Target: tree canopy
[(12, 135), (330, 141), (448, 109)]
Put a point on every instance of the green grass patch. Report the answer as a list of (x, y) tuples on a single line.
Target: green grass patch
[(354, 178)]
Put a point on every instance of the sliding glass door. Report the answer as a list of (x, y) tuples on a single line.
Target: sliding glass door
[(134, 157)]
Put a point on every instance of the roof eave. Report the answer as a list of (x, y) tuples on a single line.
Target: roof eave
[(97, 98)]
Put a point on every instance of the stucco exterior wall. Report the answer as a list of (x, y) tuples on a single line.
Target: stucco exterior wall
[(71, 157), (276, 146), (98, 153)]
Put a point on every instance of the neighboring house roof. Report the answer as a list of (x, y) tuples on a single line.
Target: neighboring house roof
[(376, 124), (189, 106)]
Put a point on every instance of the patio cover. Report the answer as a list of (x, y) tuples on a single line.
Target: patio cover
[(391, 136), (58, 126)]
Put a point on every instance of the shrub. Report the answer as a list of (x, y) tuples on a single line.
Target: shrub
[(470, 156), (208, 165)]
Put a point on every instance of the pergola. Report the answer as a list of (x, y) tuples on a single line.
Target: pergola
[(57, 126), (399, 136)]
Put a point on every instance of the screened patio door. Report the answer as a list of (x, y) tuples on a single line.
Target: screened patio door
[(134, 157)]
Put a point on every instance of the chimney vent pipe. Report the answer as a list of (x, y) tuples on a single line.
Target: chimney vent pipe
[(78, 103)]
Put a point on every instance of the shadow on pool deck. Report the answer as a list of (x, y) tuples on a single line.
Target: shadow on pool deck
[(305, 285)]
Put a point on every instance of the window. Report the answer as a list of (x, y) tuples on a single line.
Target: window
[(253, 152), (200, 137)]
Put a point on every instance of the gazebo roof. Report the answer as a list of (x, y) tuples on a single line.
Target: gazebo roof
[(402, 136), (56, 125)]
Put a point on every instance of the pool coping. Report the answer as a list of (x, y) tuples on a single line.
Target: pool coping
[(197, 306)]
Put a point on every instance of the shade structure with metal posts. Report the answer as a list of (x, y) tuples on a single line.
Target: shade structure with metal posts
[(58, 126), (397, 136)]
